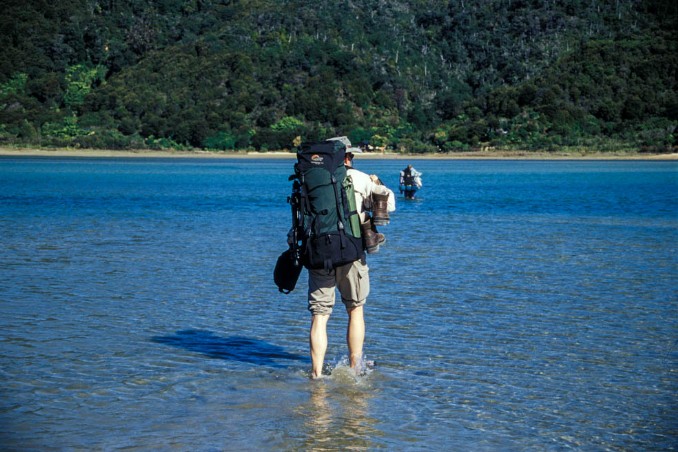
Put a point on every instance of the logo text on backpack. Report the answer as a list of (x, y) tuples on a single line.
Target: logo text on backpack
[(317, 159)]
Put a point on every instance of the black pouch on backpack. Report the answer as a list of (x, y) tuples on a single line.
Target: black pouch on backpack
[(287, 271)]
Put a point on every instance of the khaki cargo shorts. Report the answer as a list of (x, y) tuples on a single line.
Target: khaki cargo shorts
[(352, 280)]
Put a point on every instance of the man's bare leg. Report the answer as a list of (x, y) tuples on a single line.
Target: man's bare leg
[(355, 336), (318, 341)]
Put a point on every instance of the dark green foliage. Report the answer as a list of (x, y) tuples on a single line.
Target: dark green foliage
[(417, 76)]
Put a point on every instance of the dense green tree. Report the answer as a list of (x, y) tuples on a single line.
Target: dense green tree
[(422, 76)]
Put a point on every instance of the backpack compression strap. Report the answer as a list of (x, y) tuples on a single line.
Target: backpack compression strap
[(340, 224)]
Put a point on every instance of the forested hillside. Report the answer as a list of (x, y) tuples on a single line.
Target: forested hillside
[(417, 76)]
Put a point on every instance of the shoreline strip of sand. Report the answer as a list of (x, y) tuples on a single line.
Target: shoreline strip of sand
[(487, 155)]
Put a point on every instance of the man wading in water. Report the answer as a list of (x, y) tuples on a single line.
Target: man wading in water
[(351, 279)]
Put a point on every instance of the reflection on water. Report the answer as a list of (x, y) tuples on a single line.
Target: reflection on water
[(337, 415)]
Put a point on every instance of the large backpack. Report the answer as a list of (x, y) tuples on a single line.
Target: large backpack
[(327, 222), (408, 178)]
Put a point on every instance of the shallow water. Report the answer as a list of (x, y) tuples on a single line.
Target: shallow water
[(517, 305)]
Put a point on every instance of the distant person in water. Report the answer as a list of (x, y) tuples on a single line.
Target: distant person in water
[(410, 181)]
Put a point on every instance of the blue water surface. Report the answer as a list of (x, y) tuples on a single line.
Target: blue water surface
[(516, 305)]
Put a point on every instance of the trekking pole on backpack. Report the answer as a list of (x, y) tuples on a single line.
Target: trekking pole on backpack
[(297, 220), (289, 264)]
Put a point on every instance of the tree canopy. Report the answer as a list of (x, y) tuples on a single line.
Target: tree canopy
[(420, 76)]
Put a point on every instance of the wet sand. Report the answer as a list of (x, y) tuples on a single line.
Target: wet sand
[(476, 155)]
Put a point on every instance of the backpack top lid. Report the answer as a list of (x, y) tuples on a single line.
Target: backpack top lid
[(327, 154)]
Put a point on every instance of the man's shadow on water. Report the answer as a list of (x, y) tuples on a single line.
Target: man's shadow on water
[(233, 348)]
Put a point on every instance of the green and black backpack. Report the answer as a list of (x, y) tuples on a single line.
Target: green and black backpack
[(326, 221)]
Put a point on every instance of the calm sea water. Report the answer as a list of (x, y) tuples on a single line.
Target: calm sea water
[(516, 305)]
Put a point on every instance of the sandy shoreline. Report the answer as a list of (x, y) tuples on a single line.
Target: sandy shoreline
[(487, 155)]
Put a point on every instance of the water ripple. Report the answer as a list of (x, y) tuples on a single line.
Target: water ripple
[(515, 306)]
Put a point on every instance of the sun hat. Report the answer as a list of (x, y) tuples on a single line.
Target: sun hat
[(347, 143)]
